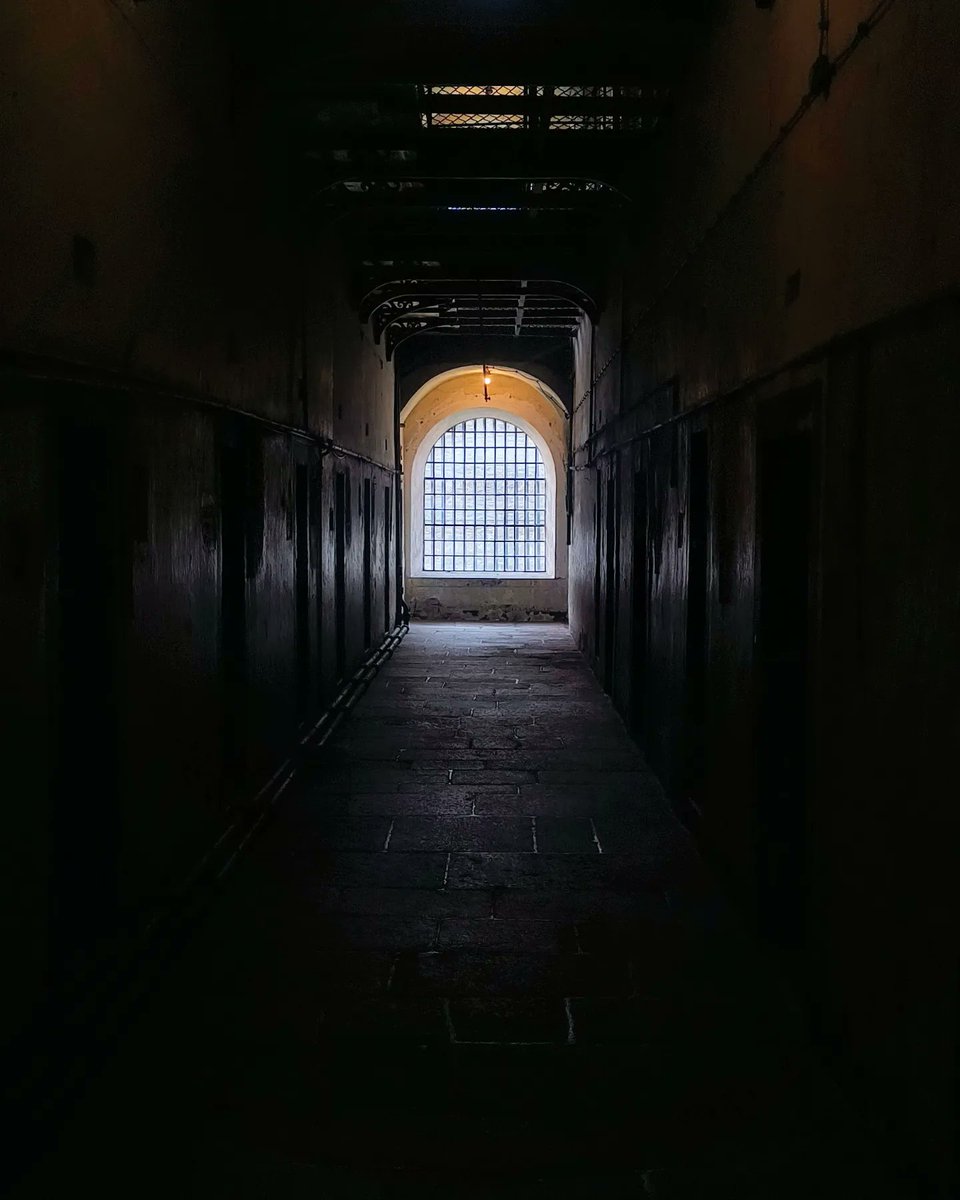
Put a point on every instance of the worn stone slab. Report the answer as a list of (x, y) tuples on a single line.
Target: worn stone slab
[(592, 776), (472, 972), (602, 789), (462, 833), (493, 776), (571, 904), (633, 872), (382, 870), (394, 778), (412, 902), (506, 935), (433, 758), (565, 835), (437, 801), (376, 932)]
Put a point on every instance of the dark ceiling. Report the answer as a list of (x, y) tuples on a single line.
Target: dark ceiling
[(472, 154)]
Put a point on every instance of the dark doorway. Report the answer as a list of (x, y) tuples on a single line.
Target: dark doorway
[(597, 561), (302, 571), (696, 650), (234, 469), (387, 539), (368, 503), (316, 554), (93, 594), (785, 466), (340, 573), (640, 602), (612, 595)]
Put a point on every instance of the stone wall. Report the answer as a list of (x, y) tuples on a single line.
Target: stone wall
[(795, 316), (189, 410)]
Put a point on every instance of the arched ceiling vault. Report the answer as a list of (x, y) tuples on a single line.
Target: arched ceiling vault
[(529, 383)]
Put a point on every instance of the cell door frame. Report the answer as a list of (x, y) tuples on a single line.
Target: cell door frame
[(697, 618), (795, 411), (639, 593), (598, 519), (611, 571), (387, 546), (341, 510), (368, 496)]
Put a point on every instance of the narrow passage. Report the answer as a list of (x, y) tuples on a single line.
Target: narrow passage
[(473, 955)]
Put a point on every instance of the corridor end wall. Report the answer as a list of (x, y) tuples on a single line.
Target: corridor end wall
[(429, 411)]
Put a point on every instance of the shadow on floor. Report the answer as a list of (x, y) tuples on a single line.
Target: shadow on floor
[(473, 955)]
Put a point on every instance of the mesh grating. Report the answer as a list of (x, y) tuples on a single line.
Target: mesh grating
[(567, 185), (471, 120), (604, 122), (478, 90), (564, 92), (535, 97), (484, 501)]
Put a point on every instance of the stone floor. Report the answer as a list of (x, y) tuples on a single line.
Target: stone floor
[(473, 955)]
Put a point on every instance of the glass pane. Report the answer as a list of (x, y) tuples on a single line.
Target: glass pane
[(484, 501)]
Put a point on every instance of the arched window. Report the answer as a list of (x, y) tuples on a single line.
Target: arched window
[(487, 508)]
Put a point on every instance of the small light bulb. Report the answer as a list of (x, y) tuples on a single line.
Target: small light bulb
[(487, 379)]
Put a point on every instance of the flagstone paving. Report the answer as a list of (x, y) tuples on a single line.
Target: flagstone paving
[(473, 955)]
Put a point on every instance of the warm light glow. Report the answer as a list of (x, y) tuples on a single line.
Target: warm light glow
[(488, 379)]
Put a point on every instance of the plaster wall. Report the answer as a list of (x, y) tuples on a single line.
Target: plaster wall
[(421, 359)]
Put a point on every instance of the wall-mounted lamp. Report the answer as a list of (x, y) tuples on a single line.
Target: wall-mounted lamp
[(487, 380)]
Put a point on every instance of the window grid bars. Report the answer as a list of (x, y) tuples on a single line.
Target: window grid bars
[(485, 502)]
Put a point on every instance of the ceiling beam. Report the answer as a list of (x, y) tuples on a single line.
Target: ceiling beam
[(476, 141), (607, 158), (649, 104), (460, 206), (539, 289), (399, 334), (465, 312)]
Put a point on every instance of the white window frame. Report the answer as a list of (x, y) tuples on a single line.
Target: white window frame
[(416, 497)]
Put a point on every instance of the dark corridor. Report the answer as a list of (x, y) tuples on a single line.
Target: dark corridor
[(306, 896)]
